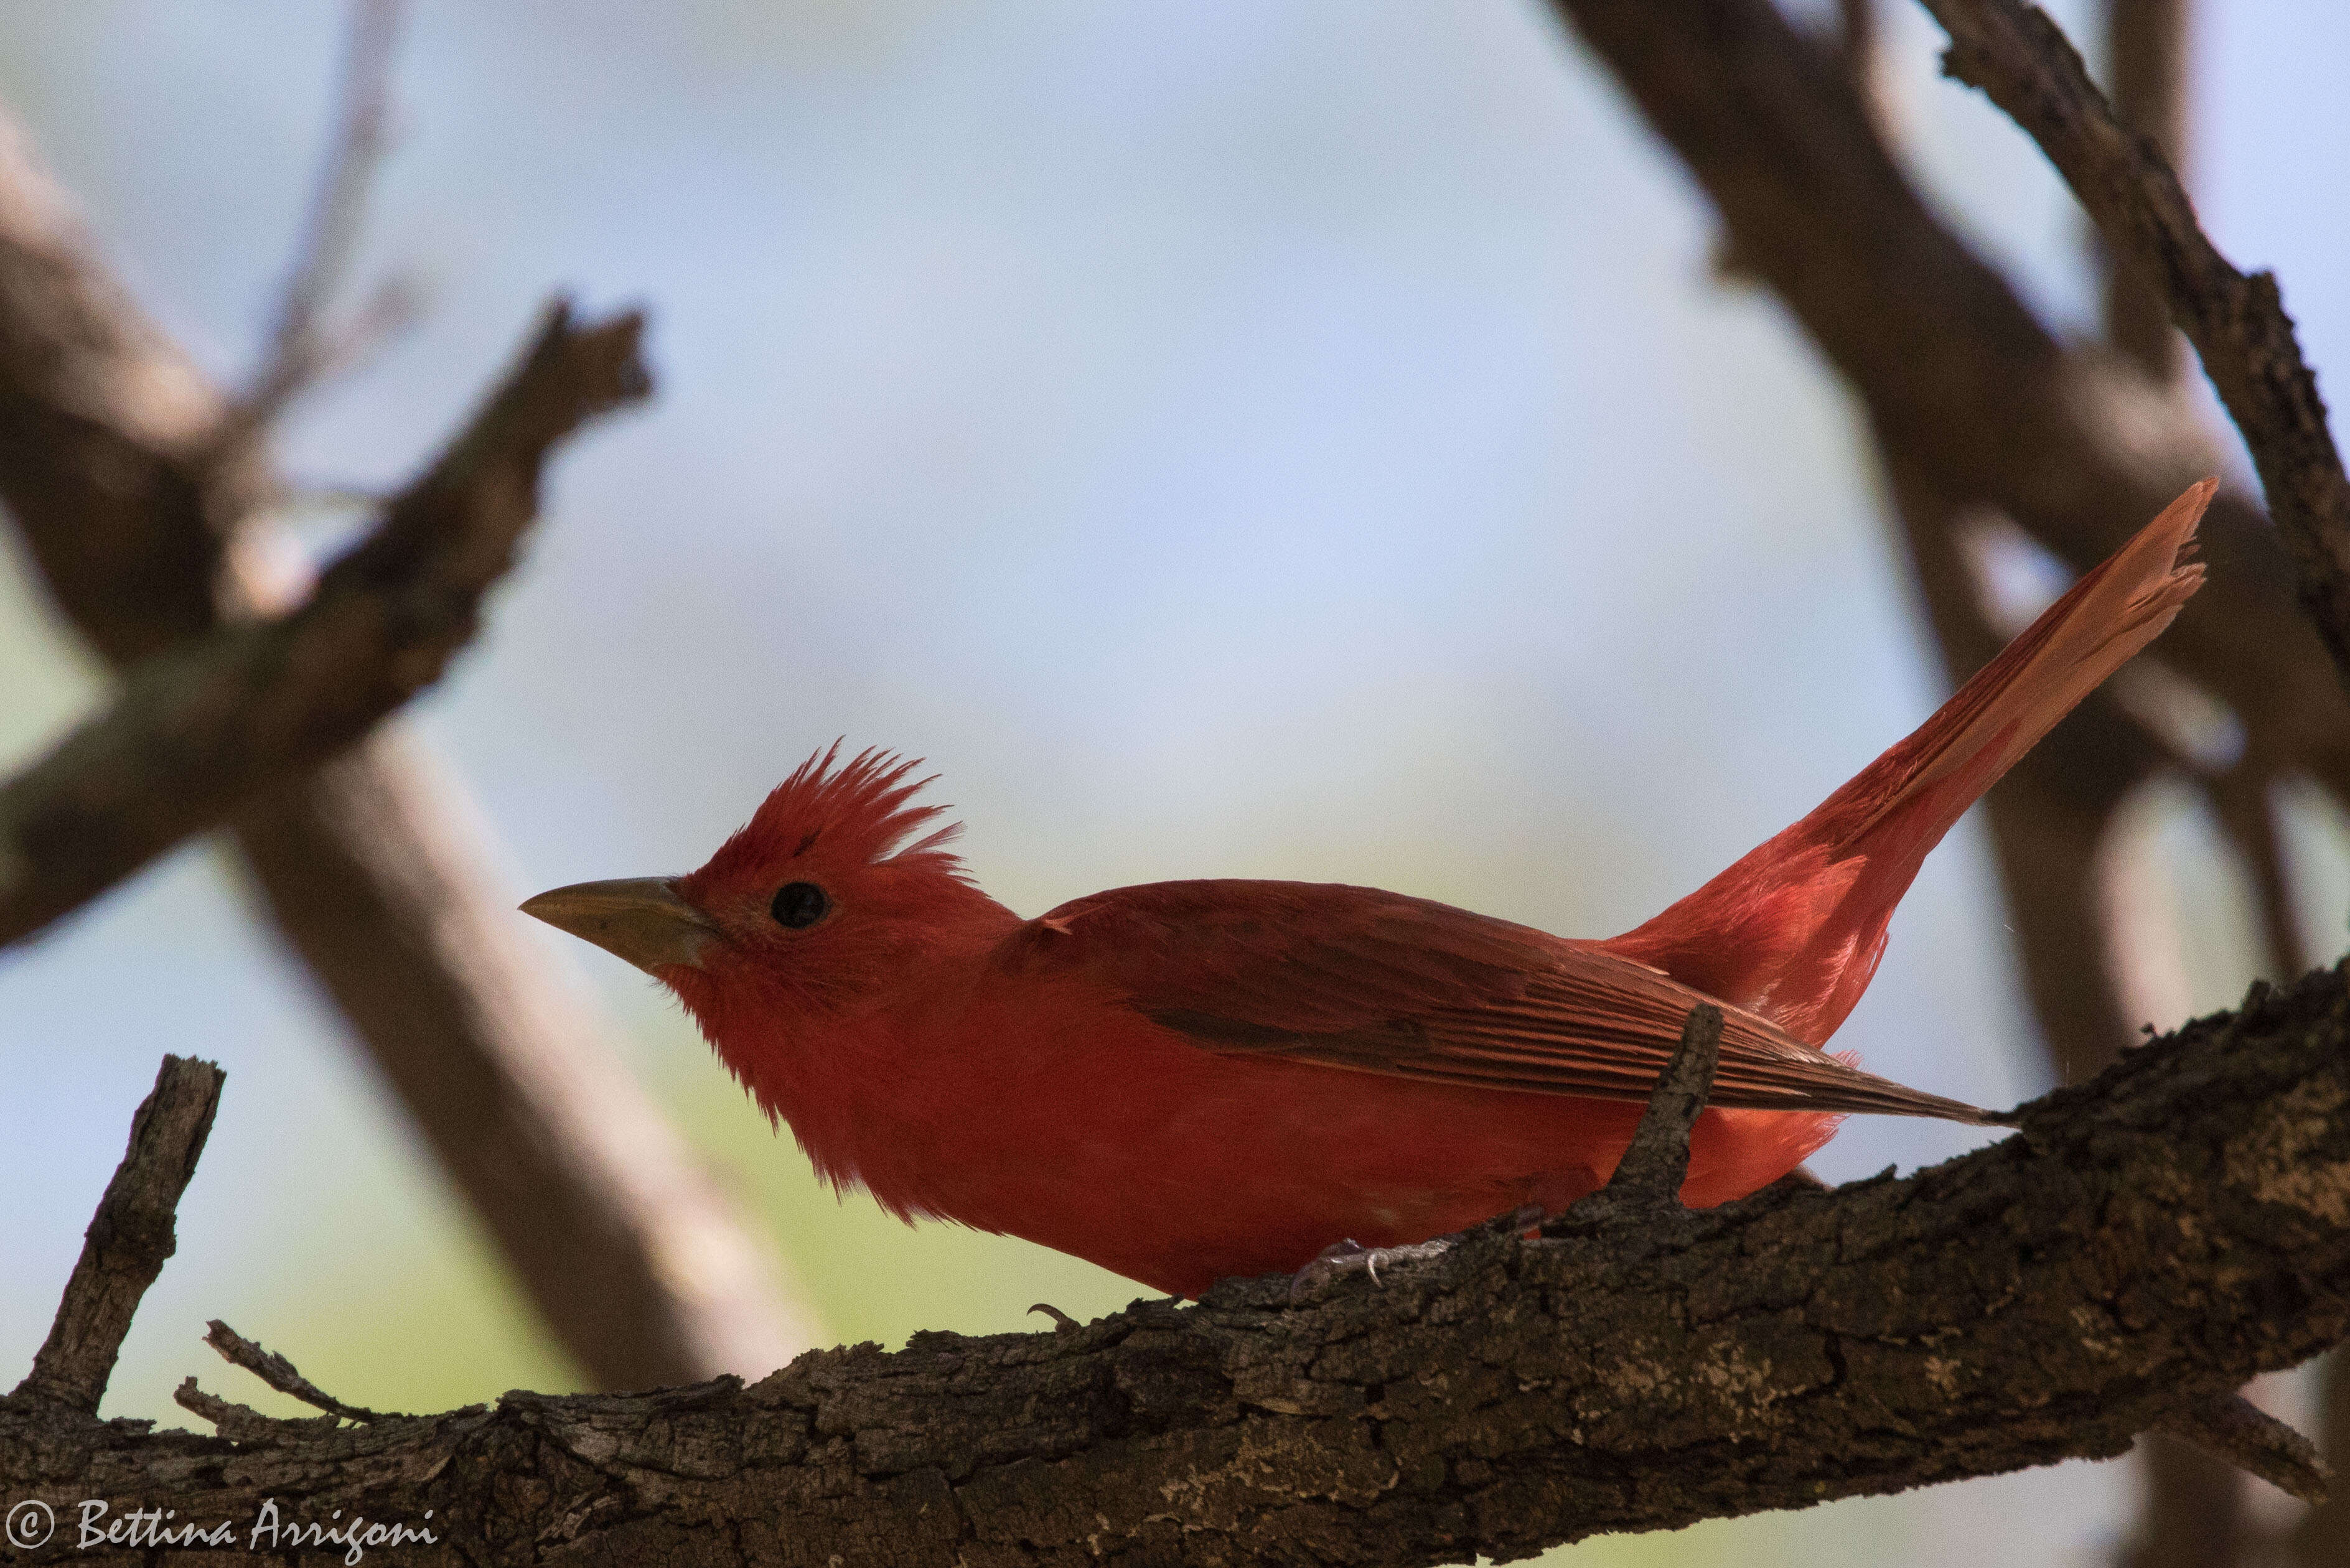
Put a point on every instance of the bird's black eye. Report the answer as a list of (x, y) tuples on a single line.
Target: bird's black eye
[(799, 904)]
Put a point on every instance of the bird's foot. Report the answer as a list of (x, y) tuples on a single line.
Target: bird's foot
[(1345, 1257), (1341, 1258)]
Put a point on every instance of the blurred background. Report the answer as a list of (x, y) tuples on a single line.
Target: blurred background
[(1273, 440)]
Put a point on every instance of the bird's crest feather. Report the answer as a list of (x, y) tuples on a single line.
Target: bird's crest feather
[(857, 812)]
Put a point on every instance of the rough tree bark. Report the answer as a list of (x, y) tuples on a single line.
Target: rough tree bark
[(2142, 1246)]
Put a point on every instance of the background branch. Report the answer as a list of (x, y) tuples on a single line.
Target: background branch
[(301, 351), (199, 731), (146, 531), (1954, 373), (2238, 324), (2145, 55)]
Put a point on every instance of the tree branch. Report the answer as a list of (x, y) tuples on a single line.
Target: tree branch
[(300, 348), (200, 731), (2237, 325), (1655, 1162), (129, 1238), (2144, 1245), (144, 526), (1954, 372), (2233, 1428), (2146, 52), (279, 1373)]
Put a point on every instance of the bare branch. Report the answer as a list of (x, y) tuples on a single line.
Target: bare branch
[(278, 1373), (2162, 1234), (1656, 1162), (2321, 1539), (241, 1423), (1955, 374), (128, 1238), (300, 350), (374, 868), (2238, 324), (2146, 48), (2248, 1437), (201, 731)]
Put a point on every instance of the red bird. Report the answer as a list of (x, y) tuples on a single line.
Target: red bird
[(1190, 1080)]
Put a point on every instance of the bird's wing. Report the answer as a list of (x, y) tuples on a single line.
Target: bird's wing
[(1379, 982)]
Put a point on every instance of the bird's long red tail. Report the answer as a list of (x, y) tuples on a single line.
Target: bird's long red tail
[(1794, 929)]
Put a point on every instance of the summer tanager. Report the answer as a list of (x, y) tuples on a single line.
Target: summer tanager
[(1189, 1080)]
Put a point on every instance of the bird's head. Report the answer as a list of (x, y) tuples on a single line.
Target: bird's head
[(802, 919)]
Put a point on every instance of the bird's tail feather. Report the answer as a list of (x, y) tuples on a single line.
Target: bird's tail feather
[(1795, 928), (2092, 631)]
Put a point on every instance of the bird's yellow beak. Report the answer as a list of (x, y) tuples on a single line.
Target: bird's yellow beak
[(640, 918)]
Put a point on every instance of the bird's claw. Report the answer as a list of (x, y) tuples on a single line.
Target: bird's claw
[(1345, 1257), (1062, 1322)]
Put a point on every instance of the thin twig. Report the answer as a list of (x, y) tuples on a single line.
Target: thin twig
[(1951, 367), (201, 732), (279, 1373), (2239, 1431), (129, 1238), (2238, 324), (301, 351), (239, 1423), (1656, 1162)]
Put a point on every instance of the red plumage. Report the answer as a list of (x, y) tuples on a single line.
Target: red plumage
[(1188, 1080)]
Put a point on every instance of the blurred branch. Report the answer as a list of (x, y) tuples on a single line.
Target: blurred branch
[(2146, 48), (648, 1271), (202, 730), (143, 528), (2238, 324), (2321, 1539), (1955, 374), (2193, 1513), (2144, 1244), (2242, 798), (129, 1237), (302, 351)]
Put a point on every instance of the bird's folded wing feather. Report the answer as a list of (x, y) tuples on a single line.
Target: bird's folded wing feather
[(1379, 982)]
